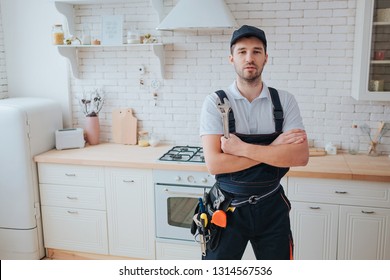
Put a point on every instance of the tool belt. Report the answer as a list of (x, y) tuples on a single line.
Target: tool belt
[(239, 201), (210, 218)]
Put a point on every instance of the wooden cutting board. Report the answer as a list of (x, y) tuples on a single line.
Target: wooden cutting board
[(124, 126)]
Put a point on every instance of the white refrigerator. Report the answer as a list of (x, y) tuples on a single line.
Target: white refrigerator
[(27, 128)]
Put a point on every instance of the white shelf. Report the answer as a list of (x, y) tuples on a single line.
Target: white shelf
[(380, 61), (65, 7), (381, 23), (71, 53)]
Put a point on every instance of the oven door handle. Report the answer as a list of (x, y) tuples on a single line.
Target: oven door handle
[(195, 195)]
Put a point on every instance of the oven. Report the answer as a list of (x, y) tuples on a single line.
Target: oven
[(177, 193)]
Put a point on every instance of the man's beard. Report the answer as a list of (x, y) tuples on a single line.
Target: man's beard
[(250, 78)]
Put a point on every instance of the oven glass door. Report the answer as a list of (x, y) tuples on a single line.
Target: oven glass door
[(175, 206)]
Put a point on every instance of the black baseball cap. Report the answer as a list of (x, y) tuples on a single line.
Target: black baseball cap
[(248, 31)]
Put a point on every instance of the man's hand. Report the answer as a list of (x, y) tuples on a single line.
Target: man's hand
[(293, 136), (235, 146), (232, 145)]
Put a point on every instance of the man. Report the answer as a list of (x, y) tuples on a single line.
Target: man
[(268, 137)]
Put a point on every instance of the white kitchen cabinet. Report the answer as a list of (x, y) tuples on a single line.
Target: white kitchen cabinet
[(130, 207), (315, 228), (75, 229), (177, 250), (73, 207), (70, 52), (371, 34), (352, 214), (364, 233)]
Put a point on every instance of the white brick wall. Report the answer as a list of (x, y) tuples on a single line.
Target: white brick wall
[(310, 54)]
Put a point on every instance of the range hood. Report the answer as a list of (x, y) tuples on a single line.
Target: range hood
[(198, 14)]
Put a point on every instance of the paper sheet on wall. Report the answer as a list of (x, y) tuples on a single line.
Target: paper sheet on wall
[(112, 30)]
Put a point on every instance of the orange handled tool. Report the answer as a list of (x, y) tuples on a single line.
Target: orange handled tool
[(219, 218)]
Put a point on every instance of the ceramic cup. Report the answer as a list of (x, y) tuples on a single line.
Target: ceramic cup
[(379, 55)]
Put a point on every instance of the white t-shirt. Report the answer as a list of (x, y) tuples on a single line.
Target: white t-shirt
[(254, 117)]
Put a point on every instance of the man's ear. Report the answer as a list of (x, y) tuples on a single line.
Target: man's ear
[(231, 59)]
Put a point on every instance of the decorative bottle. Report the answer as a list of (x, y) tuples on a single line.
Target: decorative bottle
[(354, 141)]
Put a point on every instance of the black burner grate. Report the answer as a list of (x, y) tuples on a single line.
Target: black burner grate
[(184, 154)]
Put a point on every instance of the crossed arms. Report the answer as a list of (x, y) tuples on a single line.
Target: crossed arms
[(230, 155)]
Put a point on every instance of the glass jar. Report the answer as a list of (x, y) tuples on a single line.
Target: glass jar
[(354, 141), (143, 139), (86, 36), (58, 34), (133, 37), (154, 140)]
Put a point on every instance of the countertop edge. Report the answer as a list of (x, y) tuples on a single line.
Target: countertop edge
[(147, 158)]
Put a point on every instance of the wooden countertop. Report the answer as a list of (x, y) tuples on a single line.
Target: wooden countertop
[(340, 166)]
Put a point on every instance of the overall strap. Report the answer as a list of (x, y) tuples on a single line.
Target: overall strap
[(232, 122), (278, 110)]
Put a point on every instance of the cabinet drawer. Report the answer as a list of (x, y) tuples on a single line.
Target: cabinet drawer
[(75, 229), (346, 192), (66, 174), (73, 196)]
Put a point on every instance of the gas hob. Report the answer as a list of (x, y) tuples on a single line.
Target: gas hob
[(184, 154)]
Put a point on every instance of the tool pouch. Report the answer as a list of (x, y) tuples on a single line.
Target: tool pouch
[(213, 200), (217, 199)]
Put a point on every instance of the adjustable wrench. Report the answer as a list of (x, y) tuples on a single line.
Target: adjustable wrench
[(224, 109)]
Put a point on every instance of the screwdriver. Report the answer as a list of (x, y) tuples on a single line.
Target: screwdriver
[(204, 220)]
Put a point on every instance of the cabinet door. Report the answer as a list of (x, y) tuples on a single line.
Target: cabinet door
[(364, 233), (314, 227), (130, 210), (177, 250), (371, 51), (75, 229)]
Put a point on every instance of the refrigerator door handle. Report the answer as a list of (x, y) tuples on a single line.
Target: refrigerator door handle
[(37, 208)]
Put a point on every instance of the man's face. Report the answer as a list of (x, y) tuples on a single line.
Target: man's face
[(249, 57)]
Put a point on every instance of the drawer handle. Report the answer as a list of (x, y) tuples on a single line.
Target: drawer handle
[(72, 212), (341, 192), (128, 181), (368, 212), (71, 197), (70, 174), (315, 207)]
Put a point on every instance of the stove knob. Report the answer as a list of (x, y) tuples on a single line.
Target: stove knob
[(204, 180), (190, 179), (177, 179)]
